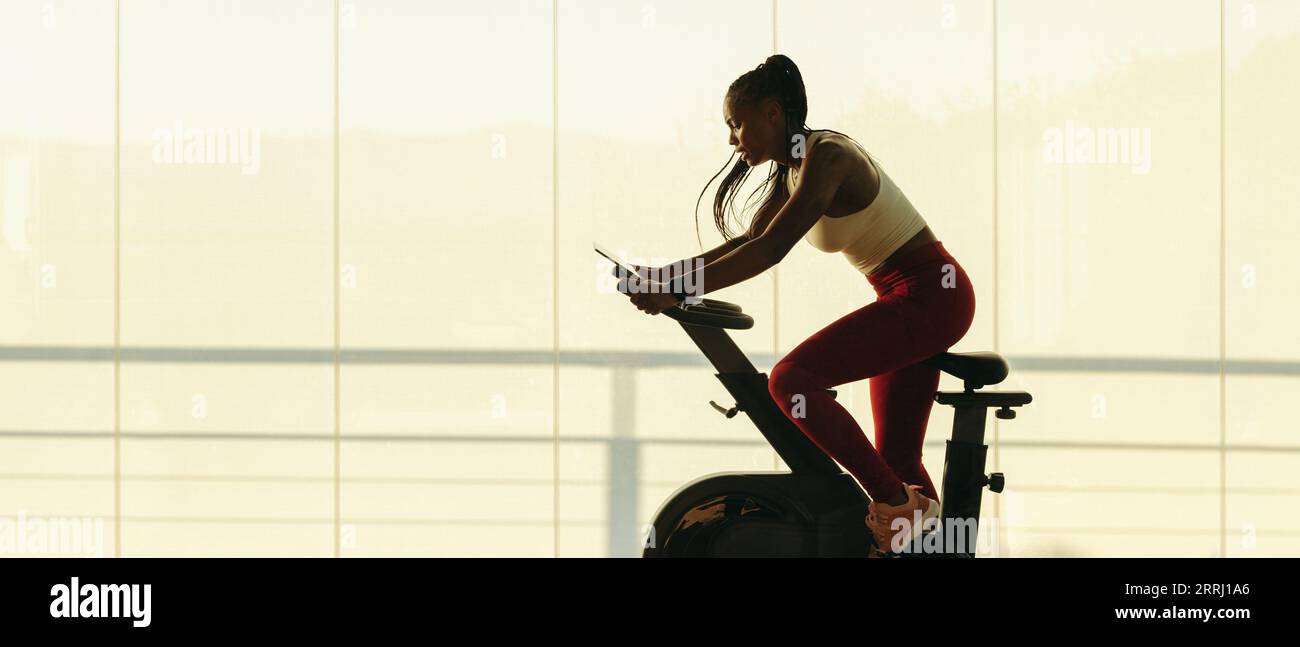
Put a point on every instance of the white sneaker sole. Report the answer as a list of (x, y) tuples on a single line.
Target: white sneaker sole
[(915, 527)]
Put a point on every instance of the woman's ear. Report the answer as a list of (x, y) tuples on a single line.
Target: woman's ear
[(772, 111)]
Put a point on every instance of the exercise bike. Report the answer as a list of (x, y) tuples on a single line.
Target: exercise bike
[(816, 509)]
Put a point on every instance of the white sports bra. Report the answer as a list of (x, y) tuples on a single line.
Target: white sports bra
[(869, 236)]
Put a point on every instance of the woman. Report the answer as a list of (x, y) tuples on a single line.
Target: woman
[(827, 189)]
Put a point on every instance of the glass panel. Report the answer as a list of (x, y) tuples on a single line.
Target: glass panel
[(446, 219), (1108, 154), (226, 314), (1261, 234), (56, 278), (641, 132)]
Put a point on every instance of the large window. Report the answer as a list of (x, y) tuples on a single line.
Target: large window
[(314, 278)]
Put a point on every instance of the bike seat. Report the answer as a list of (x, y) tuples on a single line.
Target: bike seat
[(976, 369)]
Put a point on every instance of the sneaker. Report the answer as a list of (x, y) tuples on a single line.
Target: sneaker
[(876, 553), (882, 515)]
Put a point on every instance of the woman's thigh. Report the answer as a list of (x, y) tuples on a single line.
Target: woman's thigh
[(895, 331), (869, 341)]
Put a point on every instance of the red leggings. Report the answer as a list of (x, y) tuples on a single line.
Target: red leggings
[(924, 304)]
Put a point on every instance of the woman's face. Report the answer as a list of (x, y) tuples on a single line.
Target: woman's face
[(754, 130)]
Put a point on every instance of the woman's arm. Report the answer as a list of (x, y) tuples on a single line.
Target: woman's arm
[(761, 221), (666, 272), (824, 170)]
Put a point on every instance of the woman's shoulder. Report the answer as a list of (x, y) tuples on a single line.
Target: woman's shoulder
[(828, 145), (826, 139), (856, 166)]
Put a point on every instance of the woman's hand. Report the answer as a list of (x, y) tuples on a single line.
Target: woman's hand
[(655, 299), (643, 271)]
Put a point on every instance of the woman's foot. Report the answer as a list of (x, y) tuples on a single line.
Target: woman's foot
[(881, 517)]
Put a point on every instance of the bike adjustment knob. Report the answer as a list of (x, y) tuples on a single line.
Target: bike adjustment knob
[(996, 481), (1005, 413), (730, 413)]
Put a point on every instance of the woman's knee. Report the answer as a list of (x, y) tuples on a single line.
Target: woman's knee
[(787, 380)]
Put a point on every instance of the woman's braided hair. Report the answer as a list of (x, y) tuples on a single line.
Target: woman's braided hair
[(778, 78)]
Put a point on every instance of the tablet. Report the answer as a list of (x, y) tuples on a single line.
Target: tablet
[(629, 272), (626, 267)]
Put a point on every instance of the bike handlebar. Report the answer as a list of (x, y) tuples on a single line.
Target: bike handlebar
[(708, 312), (711, 312)]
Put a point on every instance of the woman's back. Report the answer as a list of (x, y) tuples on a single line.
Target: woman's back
[(871, 234)]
